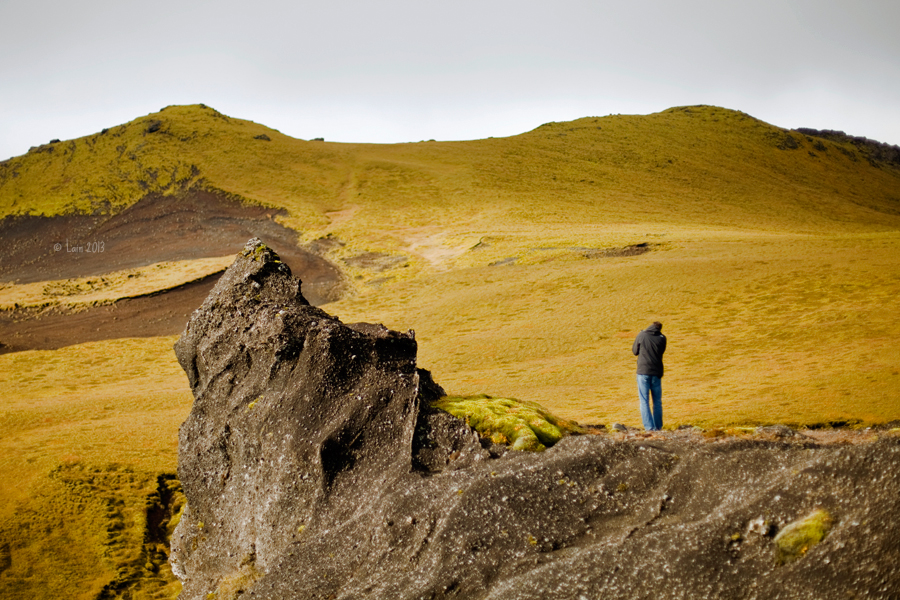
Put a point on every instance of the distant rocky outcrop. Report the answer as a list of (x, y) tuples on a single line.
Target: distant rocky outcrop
[(315, 467), (877, 152)]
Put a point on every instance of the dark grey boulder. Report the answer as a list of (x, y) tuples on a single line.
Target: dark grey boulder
[(314, 468), (295, 417)]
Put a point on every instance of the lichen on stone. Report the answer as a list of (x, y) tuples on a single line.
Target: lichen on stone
[(236, 584), (260, 252), (795, 540)]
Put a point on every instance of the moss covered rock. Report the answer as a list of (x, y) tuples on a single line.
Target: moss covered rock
[(520, 424)]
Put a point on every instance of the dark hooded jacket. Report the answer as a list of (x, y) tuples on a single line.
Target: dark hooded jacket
[(649, 347)]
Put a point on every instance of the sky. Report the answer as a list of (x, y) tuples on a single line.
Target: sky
[(410, 70)]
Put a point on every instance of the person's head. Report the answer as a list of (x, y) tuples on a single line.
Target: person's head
[(656, 325)]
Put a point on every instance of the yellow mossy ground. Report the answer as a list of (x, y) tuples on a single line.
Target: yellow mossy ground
[(84, 434), (762, 329)]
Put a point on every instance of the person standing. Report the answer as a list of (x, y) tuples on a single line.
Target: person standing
[(649, 347)]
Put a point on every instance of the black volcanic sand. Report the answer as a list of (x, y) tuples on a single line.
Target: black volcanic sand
[(195, 224), (146, 316)]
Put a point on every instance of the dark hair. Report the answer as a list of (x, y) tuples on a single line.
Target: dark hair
[(657, 324)]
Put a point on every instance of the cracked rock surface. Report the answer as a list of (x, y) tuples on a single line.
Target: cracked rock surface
[(314, 468)]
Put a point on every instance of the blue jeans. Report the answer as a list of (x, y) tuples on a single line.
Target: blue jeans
[(648, 384)]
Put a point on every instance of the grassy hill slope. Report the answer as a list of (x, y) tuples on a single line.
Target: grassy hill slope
[(694, 165), (757, 233), (526, 265)]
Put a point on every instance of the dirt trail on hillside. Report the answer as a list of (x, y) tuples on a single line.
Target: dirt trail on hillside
[(195, 224), (147, 316), (431, 244)]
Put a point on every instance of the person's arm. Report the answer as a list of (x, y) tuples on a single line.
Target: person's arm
[(636, 346)]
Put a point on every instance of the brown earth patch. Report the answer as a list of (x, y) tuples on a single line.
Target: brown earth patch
[(195, 224)]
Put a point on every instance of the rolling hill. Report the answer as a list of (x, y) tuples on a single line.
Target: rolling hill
[(526, 265)]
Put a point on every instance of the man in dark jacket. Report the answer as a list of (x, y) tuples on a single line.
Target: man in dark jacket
[(649, 347)]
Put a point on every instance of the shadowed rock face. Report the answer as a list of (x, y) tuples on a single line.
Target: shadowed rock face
[(314, 469)]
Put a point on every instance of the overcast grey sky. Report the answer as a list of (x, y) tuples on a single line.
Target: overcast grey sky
[(408, 70)]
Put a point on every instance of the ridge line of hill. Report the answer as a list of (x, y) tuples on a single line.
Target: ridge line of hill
[(699, 165)]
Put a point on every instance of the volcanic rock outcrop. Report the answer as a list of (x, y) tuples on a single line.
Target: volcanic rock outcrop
[(314, 468)]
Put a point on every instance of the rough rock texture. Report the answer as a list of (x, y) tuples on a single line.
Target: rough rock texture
[(296, 417), (313, 469)]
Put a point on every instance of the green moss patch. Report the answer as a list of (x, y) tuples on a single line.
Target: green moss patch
[(796, 539), (520, 424)]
